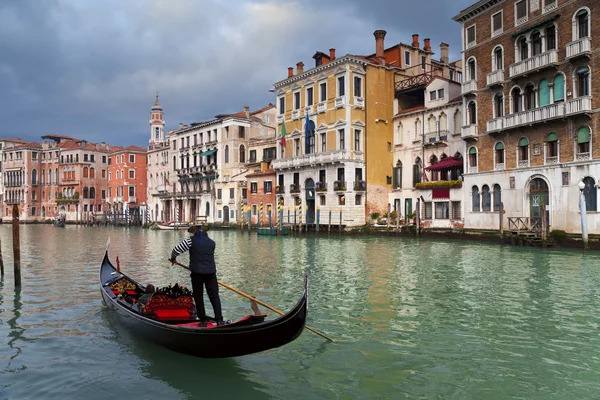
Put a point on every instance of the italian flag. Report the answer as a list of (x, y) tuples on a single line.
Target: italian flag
[(283, 133)]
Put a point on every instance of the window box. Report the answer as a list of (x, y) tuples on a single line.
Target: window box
[(321, 186), (339, 186), (439, 185), (360, 186), (294, 188), (279, 189)]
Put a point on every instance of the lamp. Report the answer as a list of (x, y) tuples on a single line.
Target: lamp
[(581, 185)]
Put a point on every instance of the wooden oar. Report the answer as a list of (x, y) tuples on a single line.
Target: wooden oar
[(258, 301)]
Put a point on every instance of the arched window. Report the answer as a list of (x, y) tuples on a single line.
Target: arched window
[(550, 38), (417, 171), (582, 78), (56, 177), (516, 103), (536, 42), (85, 193), (523, 152), (49, 177), (559, 88), (583, 143), (242, 154), (544, 93), (551, 148), (472, 110), (582, 24), (499, 156), (473, 157), (417, 129), (34, 177), (498, 105), (471, 69), (476, 199), (498, 59), (400, 134), (497, 197), (523, 48), (397, 175), (590, 193), (443, 123), (92, 173), (529, 97), (43, 176), (85, 172), (486, 198), (432, 122), (433, 159), (226, 154), (92, 193), (33, 195), (457, 122)]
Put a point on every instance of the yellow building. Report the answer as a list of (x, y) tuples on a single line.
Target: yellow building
[(343, 160)]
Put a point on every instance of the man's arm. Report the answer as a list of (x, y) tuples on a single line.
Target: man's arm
[(181, 248)]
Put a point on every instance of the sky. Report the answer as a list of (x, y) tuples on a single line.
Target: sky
[(91, 69)]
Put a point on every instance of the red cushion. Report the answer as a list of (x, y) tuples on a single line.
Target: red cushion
[(172, 314), (132, 292)]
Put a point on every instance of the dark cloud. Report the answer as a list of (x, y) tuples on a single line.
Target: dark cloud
[(90, 69)]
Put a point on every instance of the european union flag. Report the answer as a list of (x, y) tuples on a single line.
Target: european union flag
[(307, 135)]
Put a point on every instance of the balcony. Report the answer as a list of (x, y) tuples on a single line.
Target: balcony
[(439, 185), (295, 114), (499, 166), (469, 86), (582, 156), (231, 201), (309, 160), (495, 78), (340, 101), (308, 110), (339, 186), (495, 124), (473, 170), (360, 186), (578, 48), (469, 131), (132, 199), (579, 105), (294, 188), (321, 186), (534, 63), (321, 107), (550, 6), (118, 199), (279, 189), (528, 117), (523, 164), (433, 138), (219, 201), (359, 102), (552, 160), (279, 119)]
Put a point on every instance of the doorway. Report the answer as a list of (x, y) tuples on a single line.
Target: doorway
[(309, 186), (225, 214), (539, 195)]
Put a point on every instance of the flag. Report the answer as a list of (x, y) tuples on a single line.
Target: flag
[(283, 133), (167, 181), (307, 134)]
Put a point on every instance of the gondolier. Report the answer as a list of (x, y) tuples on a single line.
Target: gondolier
[(204, 271)]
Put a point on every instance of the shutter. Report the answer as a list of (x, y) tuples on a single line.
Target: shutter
[(552, 137), (499, 146), (559, 87), (472, 150), (523, 142), (544, 93), (583, 135)]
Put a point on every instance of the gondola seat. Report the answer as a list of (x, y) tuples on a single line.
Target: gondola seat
[(163, 307)]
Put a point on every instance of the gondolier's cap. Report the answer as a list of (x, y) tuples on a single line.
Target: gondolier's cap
[(192, 229)]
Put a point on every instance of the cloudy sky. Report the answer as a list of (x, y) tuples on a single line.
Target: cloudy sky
[(91, 68)]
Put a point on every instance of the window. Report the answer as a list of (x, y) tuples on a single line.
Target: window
[(550, 38), (34, 155), (297, 147), (583, 141), (242, 132), (427, 210), (268, 186), (397, 175), (457, 122), (497, 23), (523, 48), (499, 150), (529, 97), (471, 69), (341, 85), (544, 93), (423, 62), (475, 199), (498, 105), (559, 88), (341, 200), (296, 100), (515, 94), (497, 197), (471, 38), (523, 150), (357, 86), (440, 93), (132, 174), (590, 193), (583, 27), (131, 191), (357, 137), (473, 157), (226, 151), (323, 141), (432, 95), (243, 154), (309, 96), (536, 42), (442, 210), (341, 134), (103, 194), (521, 12), (498, 58), (253, 187), (407, 58), (323, 91), (281, 106), (551, 146), (583, 81), (252, 156), (34, 177), (400, 134), (219, 194), (417, 171), (472, 109)]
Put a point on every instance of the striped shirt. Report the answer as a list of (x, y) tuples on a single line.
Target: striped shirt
[(181, 248)]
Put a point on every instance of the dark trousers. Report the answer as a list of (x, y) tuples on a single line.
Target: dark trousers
[(212, 289)]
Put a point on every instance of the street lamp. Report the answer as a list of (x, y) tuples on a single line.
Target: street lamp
[(582, 211)]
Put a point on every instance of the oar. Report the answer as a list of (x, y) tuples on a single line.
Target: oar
[(259, 302)]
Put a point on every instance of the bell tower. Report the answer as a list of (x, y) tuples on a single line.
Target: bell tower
[(157, 124)]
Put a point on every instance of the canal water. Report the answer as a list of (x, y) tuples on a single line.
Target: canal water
[(417, 319)]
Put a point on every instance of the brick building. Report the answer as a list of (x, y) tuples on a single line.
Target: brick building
[(261, 188), (530, 116), (127, 181)]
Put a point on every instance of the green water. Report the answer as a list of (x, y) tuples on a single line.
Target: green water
[(418, 319)]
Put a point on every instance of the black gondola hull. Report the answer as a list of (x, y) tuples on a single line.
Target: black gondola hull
[(225, 341)]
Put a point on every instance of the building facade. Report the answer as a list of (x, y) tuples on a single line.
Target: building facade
[(127, 182), (530, 115)]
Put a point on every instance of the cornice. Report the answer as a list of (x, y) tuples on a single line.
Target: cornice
[(475, 9), (321, 68)]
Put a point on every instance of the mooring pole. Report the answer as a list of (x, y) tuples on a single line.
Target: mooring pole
[(340, 220), (1, 261), (329, 224), (318, 217), (16, 245), (501, 218)]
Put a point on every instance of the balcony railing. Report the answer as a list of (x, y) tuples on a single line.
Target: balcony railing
[(578, 105), (339, 186), (294, 188), (280, 119), (321, 186), (360, 186), (550, 6), (582, 156), (321, 107), (279, 189), (308, 110), (579, 47), (496, 77), (469, 131), (552, 160), (329, 157), (340, 101), (473, 170), (528, 117), (495, 124), (499, 166), (523, 164), (469, 86), (534, 63), (219, 201), (359, 102), (132, 199), (295, 114), (435, 137)]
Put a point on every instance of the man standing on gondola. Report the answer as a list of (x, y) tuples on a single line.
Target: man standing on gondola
[(204, 271)]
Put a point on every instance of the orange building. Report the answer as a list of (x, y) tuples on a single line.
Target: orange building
[(127, 180), (261, 188)]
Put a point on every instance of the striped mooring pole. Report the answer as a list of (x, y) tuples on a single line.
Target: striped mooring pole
[(260, 214)]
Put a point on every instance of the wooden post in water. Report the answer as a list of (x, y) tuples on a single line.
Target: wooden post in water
[(398, 220), (418, 217), (16, 245), (329, 225), (544, 224), (501, 219), (1, 261), (317, 227), (388, 216), (340, 220), (249, 219)]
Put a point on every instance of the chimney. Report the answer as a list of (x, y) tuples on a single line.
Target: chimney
[(180, 125), (427, 44), (331, 54), (415, 42), (299, 68), (290, 72), (444, 53), (379, 46), (247, 111)]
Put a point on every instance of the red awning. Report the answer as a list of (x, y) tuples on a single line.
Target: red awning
[(446, 163)]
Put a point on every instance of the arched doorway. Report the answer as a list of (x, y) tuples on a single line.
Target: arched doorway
[(207, 212), (225, 214), (539, 194), (309, 187)]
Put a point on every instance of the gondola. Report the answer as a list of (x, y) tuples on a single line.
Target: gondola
[(250, 334), (59, 223)]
